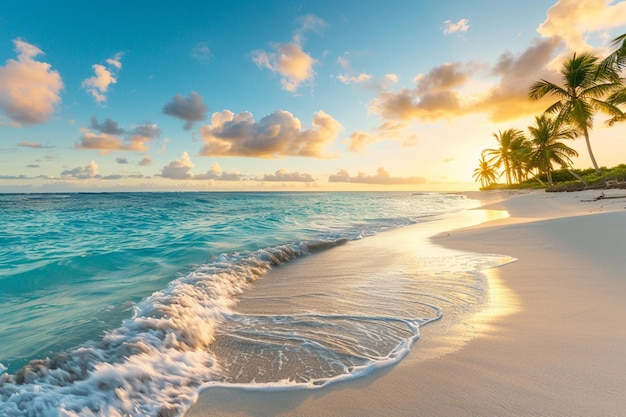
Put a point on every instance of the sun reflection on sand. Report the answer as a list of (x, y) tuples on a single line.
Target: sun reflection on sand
[(502, 302)]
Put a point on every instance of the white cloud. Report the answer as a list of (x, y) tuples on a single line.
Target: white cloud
[(98, 84), (29, 89), (116, 60), (289, 59), (572, 20), (180, 169), (461, 26)]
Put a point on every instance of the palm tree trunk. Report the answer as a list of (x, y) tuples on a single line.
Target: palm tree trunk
[(593, 159), (549, 176)]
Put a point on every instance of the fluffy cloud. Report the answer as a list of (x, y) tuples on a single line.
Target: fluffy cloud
[(434, 96), (121, 160), (460, 26), (276, 135), (282, 175), (89, 171), (191, 109), (105, 137), (439, 94), (382, 177), (98, 84), (359, 140), (571, 20), (180, 169), (29, 89), (288, 59)]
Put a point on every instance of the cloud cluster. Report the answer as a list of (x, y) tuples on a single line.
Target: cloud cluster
[(98, 84), (282, 175), (29, 89), (276, 135), (382, 177), (107, 137), (86, 172), (434, 96), (441, 94), (289, 59), (191, 109), (180, 169), (572, 20)]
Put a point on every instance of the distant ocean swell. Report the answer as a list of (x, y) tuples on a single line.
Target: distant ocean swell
[(190, 336)]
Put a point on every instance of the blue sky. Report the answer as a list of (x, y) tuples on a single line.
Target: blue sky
[(279, 95)]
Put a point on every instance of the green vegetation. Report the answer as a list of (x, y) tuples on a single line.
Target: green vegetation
[(564, 180), (588, 86)]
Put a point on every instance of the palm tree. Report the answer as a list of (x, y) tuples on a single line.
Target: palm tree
[(485, 173), (506, 155), (545, 146), (616, 62), (520, 152), (617, 59), (581, 95)]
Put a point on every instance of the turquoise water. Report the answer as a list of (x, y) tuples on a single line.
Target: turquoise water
[(125, 303)]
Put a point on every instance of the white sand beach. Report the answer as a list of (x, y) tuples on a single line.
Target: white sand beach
[(551, 342)]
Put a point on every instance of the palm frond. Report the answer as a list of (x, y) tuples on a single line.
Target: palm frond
[(544, 87)]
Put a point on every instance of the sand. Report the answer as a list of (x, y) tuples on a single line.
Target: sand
[(552, 341)]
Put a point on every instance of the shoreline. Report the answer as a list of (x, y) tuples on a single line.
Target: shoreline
[(556, 349)]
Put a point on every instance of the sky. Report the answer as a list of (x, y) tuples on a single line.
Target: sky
[(281, 94)]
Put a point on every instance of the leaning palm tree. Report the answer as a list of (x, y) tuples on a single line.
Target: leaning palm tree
[(616, 61), (485, 173), (546, 148), (617, 58), (583, 92), (505, 155)]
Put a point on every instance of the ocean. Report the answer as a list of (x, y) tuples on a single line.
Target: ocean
[(126, 304)]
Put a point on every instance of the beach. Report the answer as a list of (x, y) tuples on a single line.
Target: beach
[(551, 341)]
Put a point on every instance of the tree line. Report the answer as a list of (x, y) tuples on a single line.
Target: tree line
[(588, 85)]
